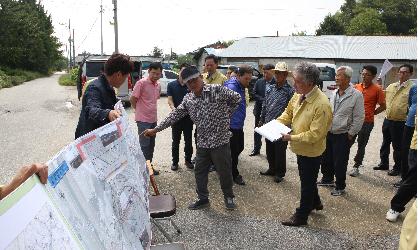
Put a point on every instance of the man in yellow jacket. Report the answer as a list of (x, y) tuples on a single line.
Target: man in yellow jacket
[(309, 115)]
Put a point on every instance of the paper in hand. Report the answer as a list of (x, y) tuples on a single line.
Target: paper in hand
[(273, 130)]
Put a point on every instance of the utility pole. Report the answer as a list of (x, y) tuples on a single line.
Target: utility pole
[(73, 50), (69, 40), (115, 19), (101, 27)]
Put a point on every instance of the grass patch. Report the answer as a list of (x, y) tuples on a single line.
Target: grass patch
[(12, 77), (66, 80)]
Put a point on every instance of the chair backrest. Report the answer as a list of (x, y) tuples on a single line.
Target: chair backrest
[(152, 178)]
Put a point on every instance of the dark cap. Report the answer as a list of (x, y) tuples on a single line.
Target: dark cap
[(268, 66), (189, 73)]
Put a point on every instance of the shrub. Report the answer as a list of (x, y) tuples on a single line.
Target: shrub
[(65, 80)]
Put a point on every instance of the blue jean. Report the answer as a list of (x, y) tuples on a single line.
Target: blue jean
[(147, 143)]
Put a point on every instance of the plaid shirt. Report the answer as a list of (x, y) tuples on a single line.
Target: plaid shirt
[(276, 101), (211, 112)]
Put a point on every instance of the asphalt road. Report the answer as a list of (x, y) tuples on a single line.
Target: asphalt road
[(38, 118)]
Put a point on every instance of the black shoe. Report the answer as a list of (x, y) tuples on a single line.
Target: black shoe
[(294, 221), (394, 172), (268, 172), (278, 179), (156, 172), (212, 168), (238, 180), (189, 164), (193, 160), (319, 206), (254, 153), (199, 204), (174, 167), (229, 203), (397, 184), (381, 167)]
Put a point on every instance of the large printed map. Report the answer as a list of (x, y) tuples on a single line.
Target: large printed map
[(99, 185)]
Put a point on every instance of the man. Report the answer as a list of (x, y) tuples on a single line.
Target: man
[(309, 114), (236, 142), (212, 75), (231, 72), (396, 112), (100, 98), (408, 131), (22, 175), (210, 108), (348, 115), (277, 98), (144, 100), (176, 91), (259, 92), (373, 95), (408, 188)]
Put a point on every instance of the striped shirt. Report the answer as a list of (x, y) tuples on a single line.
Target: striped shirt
[(211, 112), (275, 101)]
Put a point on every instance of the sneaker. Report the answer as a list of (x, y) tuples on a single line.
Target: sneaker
[(278, 179), (337, 192), (199, 204), (229, 203), (394, 172), (324, 183), (354, 172), (212, 168), (174, 167), (392, 215), (381, 167), (156, 172)]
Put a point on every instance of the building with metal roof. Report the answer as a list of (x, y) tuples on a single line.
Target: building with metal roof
[(354, 51)]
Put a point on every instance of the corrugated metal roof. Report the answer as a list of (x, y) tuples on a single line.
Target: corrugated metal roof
[(216, 52), (323, 47)]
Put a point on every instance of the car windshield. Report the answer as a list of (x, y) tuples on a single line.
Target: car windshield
[(327, 74), (93, 68)]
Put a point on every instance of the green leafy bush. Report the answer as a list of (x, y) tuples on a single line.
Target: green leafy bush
[(65, 80)]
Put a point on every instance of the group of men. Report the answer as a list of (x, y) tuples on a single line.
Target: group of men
[(322, 133)]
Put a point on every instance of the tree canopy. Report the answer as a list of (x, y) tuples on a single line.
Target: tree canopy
[(27, 39), (372, 17)]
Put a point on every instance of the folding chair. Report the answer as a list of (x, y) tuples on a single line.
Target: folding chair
[(161, 206)]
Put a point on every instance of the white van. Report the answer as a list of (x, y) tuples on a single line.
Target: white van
[(93, 67), (327, 77)]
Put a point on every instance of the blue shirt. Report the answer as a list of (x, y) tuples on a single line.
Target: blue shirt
[(238, 117), (412, 103), (177, 91)]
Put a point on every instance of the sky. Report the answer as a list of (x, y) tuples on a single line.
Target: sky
[(182, 26)]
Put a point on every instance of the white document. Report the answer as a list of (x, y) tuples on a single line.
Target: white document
[(385, 68), (272, 130)]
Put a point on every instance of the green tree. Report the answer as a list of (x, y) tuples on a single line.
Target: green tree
[(331, 25), (188, 58), (300, 33), (27, 36), (366, 22), (156, 52)]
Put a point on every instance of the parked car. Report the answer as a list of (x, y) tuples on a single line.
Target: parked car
[(255, 76), (167, 76), (327, 78), (93, 67)]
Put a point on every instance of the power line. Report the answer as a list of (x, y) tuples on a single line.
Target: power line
[(88, 33)]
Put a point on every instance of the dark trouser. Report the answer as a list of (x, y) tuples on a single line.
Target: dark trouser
[(147, 143), (221, 157), (276, 156), (257, 136), (392, 133), (308, 173), (408, 188), (408, 132), (237, 145), (336, 159), (362, 140), (185, 125)]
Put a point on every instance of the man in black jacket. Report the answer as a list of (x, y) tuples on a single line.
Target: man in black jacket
[(100, 98), (259, 93)]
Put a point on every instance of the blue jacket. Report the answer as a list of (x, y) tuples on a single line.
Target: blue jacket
[(238, 117), (412, 103)]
